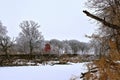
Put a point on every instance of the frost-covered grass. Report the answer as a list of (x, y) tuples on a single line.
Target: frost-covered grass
[(43, 72)]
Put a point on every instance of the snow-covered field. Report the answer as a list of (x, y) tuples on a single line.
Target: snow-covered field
[(43, 72)]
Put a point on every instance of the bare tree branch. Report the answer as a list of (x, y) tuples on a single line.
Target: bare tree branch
[(102, 20)]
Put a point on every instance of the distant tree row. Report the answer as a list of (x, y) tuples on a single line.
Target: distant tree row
[(69, 47), (31, 41)]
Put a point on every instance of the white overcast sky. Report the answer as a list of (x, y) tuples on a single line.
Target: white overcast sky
[(59, 19)]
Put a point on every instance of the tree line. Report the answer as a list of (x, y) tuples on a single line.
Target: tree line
[(31, 41)]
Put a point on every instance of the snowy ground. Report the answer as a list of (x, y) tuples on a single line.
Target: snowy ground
[(42, 72)]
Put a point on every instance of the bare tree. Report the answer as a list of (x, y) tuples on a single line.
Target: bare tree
[(67, 48), (56, 46), (108, 14), (3, 30), (5, 42), (75, 45), (30, 37), (5, 45)]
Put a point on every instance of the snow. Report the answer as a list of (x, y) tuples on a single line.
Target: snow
[(43, 72)]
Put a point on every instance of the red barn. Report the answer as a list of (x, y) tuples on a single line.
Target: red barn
[(47, 47)]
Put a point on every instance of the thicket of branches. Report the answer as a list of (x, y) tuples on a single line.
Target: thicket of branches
[(107, 14)]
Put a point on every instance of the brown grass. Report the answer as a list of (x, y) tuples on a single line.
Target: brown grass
[(108, 67), (103, 69)]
